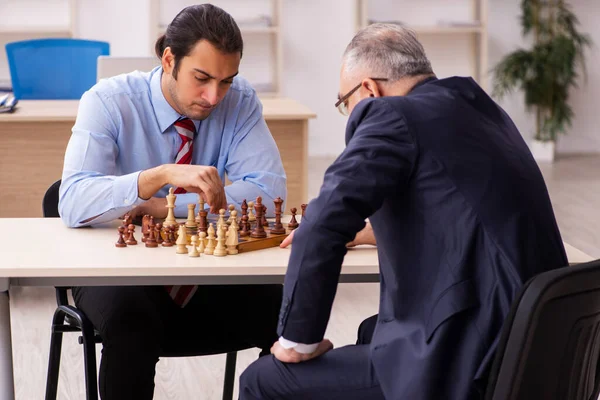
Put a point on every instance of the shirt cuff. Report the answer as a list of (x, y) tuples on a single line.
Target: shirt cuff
[(299, 347), (125, 191)]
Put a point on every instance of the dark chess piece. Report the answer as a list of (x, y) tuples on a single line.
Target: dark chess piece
[(293, 224), (168, 235), (264, 217), (259, 231), (130, 238), (278, 228), (244, 208), (203, 221), (157, 232), (245, 225), (121, 240), (151, 240), (127, 220)]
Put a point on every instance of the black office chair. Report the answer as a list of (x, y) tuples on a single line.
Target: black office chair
[(68, 318), (550, 344)]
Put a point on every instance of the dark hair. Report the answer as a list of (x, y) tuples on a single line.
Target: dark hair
[(195, 23)]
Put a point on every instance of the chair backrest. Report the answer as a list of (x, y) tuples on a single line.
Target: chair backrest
[(50, 201), (111, 66), (550, 344), (44, 69)]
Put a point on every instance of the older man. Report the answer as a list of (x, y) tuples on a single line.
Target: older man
[(462, 219)]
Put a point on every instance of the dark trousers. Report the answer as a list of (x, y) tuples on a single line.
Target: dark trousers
[(142, 323), (345, 373)]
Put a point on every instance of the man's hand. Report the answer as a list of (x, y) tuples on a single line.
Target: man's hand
[(288, 240), (200, 179), (155, 206), (365, 236), (292, 356)]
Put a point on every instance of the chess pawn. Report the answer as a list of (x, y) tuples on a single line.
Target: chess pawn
[(251, 217), (151, 241), (231, 217), (210, 244), (201, 242), (232, 240), (245, 225), (264, 217), (293, 224), (234, 220), (221, 250), (221, 220), (191, 221), (121, 241), (168, 242), (194, 251), (303, 207), (181, 241), (158, 232), (130, 238), (170, 220)]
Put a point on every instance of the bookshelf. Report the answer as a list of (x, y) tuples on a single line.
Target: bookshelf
[(259, 22), (449, 31)]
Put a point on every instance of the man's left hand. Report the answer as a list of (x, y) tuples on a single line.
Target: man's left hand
[(292, 356)]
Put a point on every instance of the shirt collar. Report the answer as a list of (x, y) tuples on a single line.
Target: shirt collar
[(165, 114), (424, 81)]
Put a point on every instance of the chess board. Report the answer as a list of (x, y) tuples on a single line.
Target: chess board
[(272, 240), (202, 231)]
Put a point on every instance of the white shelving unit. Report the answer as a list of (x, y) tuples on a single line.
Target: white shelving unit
[(52, 19), (259, 22), (443, 27)]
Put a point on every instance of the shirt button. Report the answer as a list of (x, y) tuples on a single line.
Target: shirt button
[(126, 201)]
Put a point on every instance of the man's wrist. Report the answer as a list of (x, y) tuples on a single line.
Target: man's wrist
[(298, 347), (151, 180)]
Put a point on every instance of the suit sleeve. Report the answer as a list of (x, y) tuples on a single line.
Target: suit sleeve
[(376, 164)]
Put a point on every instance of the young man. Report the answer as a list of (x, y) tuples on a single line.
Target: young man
[(462, 219), (184, 125)]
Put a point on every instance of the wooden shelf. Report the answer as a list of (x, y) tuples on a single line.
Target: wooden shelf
[(255, 26), (446, 29), (243, 29), (474, 25)]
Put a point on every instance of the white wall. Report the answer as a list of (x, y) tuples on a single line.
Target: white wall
[(315, 33)]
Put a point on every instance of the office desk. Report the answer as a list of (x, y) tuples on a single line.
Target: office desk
[(33, 141), (43, 252)]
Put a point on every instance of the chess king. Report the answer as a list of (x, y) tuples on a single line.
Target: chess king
[(175, 130)]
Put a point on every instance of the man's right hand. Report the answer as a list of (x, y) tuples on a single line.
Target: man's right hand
[(365, 236), (201, 179)]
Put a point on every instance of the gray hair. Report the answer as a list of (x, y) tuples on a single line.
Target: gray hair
[(387, 50)]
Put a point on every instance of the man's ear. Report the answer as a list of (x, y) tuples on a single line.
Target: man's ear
[(371, 87), (168, 61)]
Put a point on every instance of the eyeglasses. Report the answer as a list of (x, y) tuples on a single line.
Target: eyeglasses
[(342, 103)]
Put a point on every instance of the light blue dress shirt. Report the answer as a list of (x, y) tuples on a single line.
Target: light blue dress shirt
[(125, 125)]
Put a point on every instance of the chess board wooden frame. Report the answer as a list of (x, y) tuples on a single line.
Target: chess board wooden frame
[(249, 243)]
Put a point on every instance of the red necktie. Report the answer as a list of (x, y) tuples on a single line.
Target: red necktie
[(186, 129), (182, 294)]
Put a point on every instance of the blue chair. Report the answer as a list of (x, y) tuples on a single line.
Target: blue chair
[(45, 69)]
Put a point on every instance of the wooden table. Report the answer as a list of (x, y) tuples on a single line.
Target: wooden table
[(43, 252), (33, 140)]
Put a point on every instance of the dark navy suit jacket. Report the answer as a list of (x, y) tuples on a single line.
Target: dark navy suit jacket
[(462, 219)]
